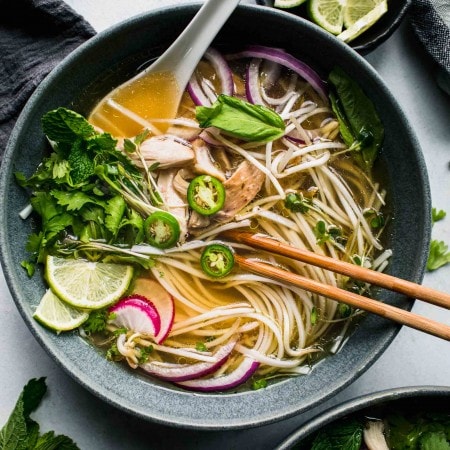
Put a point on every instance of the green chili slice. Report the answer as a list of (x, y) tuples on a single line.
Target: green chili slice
[(162, 230), (217, 260), (206, 195)]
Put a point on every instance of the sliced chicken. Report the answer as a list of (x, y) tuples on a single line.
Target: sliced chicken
[(174, 202), (197, 221), (241, 188), (204, 162), (165, 150)]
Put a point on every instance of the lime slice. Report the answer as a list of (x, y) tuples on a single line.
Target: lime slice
[(364, 23), (87, 285), (356, 9), (58, 315), (287, 3), (328, 14)]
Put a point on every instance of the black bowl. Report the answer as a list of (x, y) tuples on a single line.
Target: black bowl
[(412, 400), (108, 59), (375, 35)]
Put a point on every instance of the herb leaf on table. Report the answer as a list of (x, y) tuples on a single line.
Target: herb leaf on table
[(22, 433)]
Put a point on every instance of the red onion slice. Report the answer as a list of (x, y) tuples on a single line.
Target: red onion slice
[(289, 61), (224, 73), (222, 383), (184, 372), (252, 84)]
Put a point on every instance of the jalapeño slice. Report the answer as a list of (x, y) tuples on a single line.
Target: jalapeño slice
[(217, 260), (206, 195), (162, 230)]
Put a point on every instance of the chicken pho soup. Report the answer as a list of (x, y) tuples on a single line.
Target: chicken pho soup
[(261, 144)]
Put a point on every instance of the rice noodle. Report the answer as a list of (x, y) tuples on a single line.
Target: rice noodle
[(280, 326)]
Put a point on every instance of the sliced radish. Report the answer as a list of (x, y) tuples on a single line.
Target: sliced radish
[(222, 383), (138, 314), (162, 301), (183, 372)]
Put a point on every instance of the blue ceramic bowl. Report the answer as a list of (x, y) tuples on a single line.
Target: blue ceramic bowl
[(377, 404), (109, 58)]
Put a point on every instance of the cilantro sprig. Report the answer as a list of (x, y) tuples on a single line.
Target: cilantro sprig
[(91, 198), (438, 255), (21, 432)]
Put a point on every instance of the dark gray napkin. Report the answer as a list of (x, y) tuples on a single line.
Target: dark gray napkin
[(430, 20), (35, 35)]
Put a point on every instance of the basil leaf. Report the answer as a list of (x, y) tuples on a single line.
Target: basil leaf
[(357, 117), (241, 119), (346, 434)]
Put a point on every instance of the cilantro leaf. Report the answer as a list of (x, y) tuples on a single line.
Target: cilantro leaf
[(436, 215), (438, 256)]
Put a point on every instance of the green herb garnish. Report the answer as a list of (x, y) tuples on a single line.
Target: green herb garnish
[(89, 195), (241, 119), (359, 123), (439, 255), (22, 433)]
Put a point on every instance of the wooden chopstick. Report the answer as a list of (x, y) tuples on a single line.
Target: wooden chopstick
[(382, 309), (408, 288)]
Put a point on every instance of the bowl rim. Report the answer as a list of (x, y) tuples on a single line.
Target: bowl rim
[(214, 421), (357, 404)]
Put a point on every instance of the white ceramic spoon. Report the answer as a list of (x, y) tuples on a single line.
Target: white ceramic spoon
[(167, 77)]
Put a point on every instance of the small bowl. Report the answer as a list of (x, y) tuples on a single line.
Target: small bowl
[(408, 399), (105, 61), (375, 35)]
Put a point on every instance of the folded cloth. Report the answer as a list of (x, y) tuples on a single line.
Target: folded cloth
[(35, 35), (430, 20)]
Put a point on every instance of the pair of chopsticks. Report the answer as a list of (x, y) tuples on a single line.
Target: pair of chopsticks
[(387, 311)]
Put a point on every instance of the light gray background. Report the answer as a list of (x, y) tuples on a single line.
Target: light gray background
[(412, 359)]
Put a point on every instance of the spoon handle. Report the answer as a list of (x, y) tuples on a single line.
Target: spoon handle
[(182, 57)]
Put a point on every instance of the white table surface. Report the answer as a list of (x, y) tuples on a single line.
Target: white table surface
[(412, 359)]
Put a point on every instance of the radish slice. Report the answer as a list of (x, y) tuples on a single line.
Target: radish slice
[(224, 73), (240, 375), (162, 301), (183, 372), (136, 313)]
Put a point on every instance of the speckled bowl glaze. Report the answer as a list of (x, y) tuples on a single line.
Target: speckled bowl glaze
[(107, 59), (423, 398), (375, 35)]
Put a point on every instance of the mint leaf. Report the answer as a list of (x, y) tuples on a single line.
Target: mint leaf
[(22, 433), (49, 441), (241, 119), (65, 126), (14, 435)]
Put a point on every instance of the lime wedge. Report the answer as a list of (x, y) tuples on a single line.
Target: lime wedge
[(57, 315), (328, 14), (364, 23), (357, 9), (287, 3), (87, 285)]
